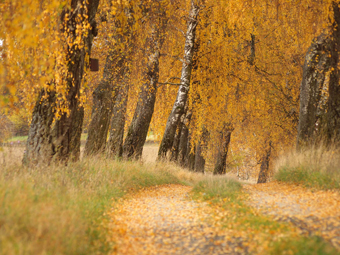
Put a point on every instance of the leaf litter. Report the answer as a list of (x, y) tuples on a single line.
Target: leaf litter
[(164, 220), (315, 212)]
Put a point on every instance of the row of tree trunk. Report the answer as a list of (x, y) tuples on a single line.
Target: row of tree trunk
[(59, 138)]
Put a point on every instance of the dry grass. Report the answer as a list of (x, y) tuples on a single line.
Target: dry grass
[(316, 166), (60, 209)]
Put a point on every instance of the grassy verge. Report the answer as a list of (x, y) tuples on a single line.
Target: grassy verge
[(316, 167), (59, 210), (259, 234), (303, 246)]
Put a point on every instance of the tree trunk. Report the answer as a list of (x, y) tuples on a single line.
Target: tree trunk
[(221, 163), (177, 139), (323, 56), (39, 148), (191, 155), (138, 130), (200, 146), (314, 73), (115, 143), (63, 140), (333, 107), (104, 96), (264, 166), (199, 159), (183, 143), (67, 129), (182, 95)]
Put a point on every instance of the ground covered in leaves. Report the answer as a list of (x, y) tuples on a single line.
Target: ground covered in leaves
[(316, 212), (167, 220), (163, 220)]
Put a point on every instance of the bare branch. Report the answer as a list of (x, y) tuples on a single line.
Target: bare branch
[(169, 83)]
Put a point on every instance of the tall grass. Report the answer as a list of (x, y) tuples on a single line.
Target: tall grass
[(316, 167), (60, 209)]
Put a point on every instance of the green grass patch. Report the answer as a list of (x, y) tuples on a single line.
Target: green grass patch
[(308, 178), (217, 188), (303, 246), (314, 167)]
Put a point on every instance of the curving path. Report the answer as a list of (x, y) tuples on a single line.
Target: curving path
[(163, 220)]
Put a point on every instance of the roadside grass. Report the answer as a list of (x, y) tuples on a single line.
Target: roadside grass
[(315, 167), (217, 187), (304, 246), (61, 209), (261, 234)]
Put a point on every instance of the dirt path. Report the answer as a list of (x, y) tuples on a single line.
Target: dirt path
[(315, 212), (163, 220)]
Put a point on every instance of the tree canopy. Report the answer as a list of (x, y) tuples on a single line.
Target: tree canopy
[(247, 64)]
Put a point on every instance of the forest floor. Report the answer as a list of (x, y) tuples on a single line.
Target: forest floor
[(166, 220)]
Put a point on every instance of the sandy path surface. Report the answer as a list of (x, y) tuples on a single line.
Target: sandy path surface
[(316, 212), (163, 220)]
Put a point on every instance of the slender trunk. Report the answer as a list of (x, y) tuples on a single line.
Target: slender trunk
[(115, 143), (199, 159), (200, 147), (191, 155), (62, 141), (183, 143), (314, 73), (263, 175), (182, 95), (221, 162), (333, 107), (104, 96), (177, 139), (138, 130)]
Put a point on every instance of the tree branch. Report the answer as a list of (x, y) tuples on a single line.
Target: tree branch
[(169, 83)]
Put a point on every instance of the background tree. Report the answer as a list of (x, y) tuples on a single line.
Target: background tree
[(116, 67), (138, 129), (178, 108)]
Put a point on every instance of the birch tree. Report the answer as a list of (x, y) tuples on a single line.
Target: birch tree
[(182, 95)]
